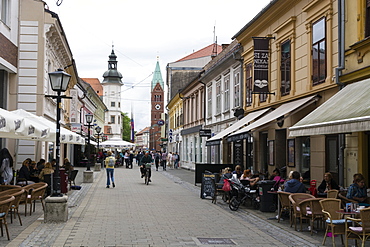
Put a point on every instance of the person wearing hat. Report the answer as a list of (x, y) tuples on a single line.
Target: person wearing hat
[(147, 158)]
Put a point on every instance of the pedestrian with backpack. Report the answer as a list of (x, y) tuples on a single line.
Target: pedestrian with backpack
[(109, 167)]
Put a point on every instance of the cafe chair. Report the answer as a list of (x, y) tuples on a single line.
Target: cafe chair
[(295, 199), (17, 193), (311, 209), (33, 192), (358, 229), (332, 193), (8, 187), (285, 205), (335, 224), (5, 204)]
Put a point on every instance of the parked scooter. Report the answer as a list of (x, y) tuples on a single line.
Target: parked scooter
[(240, 194)]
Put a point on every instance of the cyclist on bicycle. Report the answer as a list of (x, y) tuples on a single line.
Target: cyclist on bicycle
[(147, 158)]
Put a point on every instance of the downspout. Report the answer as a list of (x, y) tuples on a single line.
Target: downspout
[(338, 73), (204, 119)]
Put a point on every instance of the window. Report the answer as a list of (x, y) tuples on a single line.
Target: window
[(248, 88), (319, 51), (285, 68), (218, 97), (209, 103), (157, 98), (4, 14), (112, 104), (119, 119), (226, 93), (367, 19), (119, 104), (237, 89), (112, 119)]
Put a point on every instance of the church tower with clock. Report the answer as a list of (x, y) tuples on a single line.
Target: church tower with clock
[(157, 108)]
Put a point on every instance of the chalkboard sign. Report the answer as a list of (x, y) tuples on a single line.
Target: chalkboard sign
[(208, 185)]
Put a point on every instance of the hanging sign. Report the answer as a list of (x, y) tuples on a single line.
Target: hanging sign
[(261, 65)]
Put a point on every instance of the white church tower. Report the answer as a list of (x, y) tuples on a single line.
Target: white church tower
[(112, 98)]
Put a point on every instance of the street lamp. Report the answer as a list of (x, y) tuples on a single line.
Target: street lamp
[(89, 119), (98, 129), (59, 81)]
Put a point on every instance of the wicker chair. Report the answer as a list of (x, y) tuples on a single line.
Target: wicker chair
[(17, 193), (332, 193), (33, 192), (311, 209), (361, 229), (295, 199), (8, 187), (334, 221), (5, 204), (285, 204)]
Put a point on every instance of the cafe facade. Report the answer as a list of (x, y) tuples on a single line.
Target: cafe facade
[(290, 53)]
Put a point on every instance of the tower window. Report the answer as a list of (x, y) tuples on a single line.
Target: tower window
[(112, 104), (112, 119)]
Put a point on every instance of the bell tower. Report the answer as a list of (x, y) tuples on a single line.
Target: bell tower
[(157, 108)]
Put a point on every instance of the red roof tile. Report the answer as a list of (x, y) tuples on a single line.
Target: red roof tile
[(206, 51), (95, 84)]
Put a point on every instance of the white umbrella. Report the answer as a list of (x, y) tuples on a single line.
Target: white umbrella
[(116, 143), (17, 127)]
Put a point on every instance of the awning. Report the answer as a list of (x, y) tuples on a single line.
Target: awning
[(66, 136), (236, 126), (279, 114), (116, 143), (347, 111)]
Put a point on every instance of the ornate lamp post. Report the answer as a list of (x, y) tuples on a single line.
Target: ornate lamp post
[(89, 119), (59, 81), (98, 129)]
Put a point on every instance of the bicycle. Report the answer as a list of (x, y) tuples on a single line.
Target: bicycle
[(147, 166)]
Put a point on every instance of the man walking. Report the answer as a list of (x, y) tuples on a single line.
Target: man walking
[(109, 167), (164, 160)]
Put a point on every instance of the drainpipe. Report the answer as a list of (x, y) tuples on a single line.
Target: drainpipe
[(338, 73)]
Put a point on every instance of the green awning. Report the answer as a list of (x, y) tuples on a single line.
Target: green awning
[(347, 111)]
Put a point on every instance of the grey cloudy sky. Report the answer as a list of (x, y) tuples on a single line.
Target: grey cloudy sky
[(143, 30)]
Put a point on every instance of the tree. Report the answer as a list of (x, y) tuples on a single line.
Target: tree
[(126, 127)]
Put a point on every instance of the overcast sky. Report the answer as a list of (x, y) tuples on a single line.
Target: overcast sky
[(143, 30)]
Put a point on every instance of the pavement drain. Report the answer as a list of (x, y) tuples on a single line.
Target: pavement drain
[(215, 241)]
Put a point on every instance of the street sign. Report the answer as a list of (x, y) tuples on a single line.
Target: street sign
[(205, 132), (160, 122)]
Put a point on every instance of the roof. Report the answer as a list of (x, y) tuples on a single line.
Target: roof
[(146, 129), (205, 52), (157, 77), (95, 84)]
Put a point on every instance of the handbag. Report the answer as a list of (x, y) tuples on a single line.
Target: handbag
[(226, 186)]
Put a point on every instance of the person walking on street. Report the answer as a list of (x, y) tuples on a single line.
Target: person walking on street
[(109, 166), (139, 155), (157, 157), (176, 159), (146, 159), (169, 159), (164, 160)]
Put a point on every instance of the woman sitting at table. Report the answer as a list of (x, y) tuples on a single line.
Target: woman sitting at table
[(247, 175), (357, 191), (238, 171), (24, 176), (48, 169), (327, 184)]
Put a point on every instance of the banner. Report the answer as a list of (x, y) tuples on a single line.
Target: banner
[(261, 65)]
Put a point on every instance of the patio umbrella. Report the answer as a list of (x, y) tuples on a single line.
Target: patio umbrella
[(116, 143)]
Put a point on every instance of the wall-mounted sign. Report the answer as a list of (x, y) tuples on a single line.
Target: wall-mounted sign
[(261, 65), (205, 133), (160, 122)]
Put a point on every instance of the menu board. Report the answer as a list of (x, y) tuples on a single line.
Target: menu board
[(208, 185)]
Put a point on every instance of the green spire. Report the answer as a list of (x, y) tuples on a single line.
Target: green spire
[(157, 77)]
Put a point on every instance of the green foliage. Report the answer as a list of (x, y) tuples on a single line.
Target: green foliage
[(126, 127)]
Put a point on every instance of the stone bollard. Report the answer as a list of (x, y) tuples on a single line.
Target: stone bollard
[(56, 209), (88, 177), (97, 167)]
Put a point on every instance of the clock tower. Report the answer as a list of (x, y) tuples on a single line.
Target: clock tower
[(157, 108)]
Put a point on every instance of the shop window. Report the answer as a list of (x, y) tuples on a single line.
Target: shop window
[(319, 51)]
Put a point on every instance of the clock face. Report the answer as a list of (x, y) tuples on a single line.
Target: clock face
[(157, 106)]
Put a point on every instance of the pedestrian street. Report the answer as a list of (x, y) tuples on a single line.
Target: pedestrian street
[(167, 212)]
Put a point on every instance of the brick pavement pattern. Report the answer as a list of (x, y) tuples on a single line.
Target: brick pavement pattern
[(167, 212)]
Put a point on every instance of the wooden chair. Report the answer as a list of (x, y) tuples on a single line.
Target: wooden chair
[(285, 204), (311, 209), (295, 199), (33, 192), (8, 187), (361, 229), (334, 221), (332, 193), (71, 177), (5, 204), (17, 193)]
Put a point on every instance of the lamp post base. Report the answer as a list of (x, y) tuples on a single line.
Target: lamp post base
[(56, 209), (97, 167), (88, 177)]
